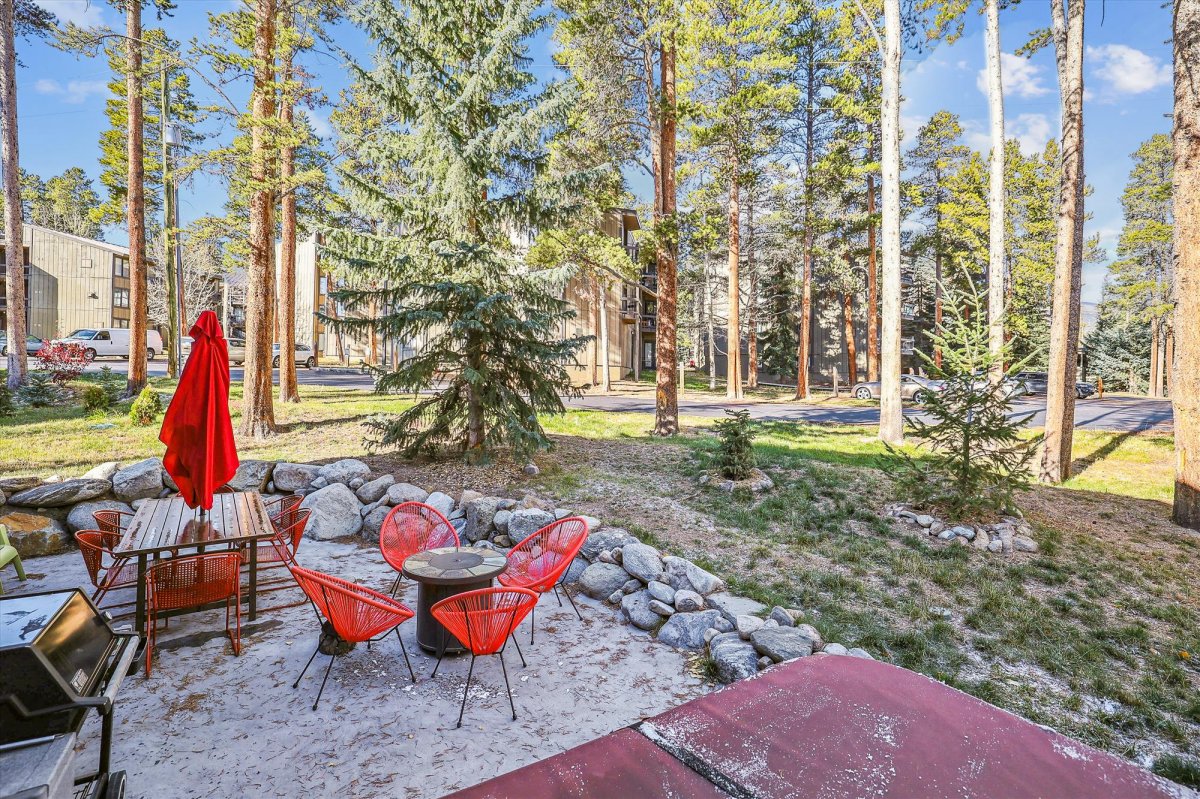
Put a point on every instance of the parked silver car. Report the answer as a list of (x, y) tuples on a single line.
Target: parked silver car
[(236, 346), (912, 387), (32, 344), (304, 356)]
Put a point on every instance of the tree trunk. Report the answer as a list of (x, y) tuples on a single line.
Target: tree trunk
[(14, 231), (733, 328), (1168, 360), (289, 388), (594, 313), (712, 332), (751, 303), (851, 345), (136, 200), (995, 196), (804, 338), (1155, 357), (937, 291), (258, 412), (1068, 251), (173, 269), (1185, 377), (872, 287), (666, 391), (891, 412), (476, 430), (602, 309)]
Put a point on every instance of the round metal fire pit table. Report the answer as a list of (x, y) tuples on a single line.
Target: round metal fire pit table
[(444, 572)]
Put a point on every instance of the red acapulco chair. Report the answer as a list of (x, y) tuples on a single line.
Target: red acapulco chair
[(483, 620), (278, 508), (540, 561), (105, 569), (357, 614), (409, 528), (193, 580), (112, 521), (289, 532)]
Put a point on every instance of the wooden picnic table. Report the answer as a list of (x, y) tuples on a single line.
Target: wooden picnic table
[(169, 525)]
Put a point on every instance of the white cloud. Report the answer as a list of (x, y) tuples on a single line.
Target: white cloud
[(87, 13), (1128, 71), (320, 123), (1031, 131), (73, 92), (1019, 76)]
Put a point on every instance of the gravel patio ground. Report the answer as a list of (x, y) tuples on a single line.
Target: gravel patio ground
[(210, 724)]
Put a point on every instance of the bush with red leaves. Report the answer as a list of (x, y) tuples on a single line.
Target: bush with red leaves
[(64, 362)]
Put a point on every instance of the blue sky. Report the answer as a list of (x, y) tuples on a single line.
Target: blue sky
[(1127, 75)]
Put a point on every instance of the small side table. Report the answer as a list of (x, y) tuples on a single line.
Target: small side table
[(444, 572)]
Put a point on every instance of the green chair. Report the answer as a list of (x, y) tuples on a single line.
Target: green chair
[(9, 554)]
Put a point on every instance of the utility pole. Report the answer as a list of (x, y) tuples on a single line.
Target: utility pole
[(174, 263)]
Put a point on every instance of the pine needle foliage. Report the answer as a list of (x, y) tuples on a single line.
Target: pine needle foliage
[(976, 456), (493, 349), (735, 459)]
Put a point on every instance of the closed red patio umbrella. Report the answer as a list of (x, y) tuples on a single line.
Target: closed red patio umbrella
[(201, 455)]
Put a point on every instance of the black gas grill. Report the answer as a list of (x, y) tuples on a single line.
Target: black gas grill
[(59, 658)]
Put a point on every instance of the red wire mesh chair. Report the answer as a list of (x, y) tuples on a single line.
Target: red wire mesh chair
[(106, 570), (193, 580), (540, 561), (278, 508), (409, 528), (483, 621), (289, 530), (112, 521), (355, 614)]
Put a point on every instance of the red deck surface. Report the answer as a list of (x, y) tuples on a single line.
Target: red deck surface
[(833, 727), (625, 765), (836, 727)]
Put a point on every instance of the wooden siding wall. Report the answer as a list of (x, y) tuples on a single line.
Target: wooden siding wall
[(64, 273), (586, 323)]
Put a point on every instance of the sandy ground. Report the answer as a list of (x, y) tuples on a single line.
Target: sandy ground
[(208, 724)]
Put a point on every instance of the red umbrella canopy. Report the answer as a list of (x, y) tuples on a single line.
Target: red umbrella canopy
[(201, 454)]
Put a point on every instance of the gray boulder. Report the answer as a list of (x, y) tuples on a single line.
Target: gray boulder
[(636, 609), (631, 586), (11, 485), (80, 517), (1023, 543), (857, 652), (138, 481), (604, 540), (662, 592), (252, 475), (480, 514), (405, 492), (661, 608), (59, 495), (781, 617), (372, 522), (732, 606), (442, 503), (35, 535), (318, 482), (575, 570), (686, 630), (835, 649), (734, 658), (344, 471), (334, 513), (104, 471), (466, 496), (600, 580), (748, 625), (687, 601), (526, 521), (500, 520), (593, 523), (375, 490), (683, 574), (289, 477), (812, 634), (642, 561), (781, 643), (507, 504)]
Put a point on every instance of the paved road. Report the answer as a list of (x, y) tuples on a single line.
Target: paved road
[(1122, 414)]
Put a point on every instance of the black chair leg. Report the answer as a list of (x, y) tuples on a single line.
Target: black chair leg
[(504, 669), (296, 684), (513, 638), (407, 662), (466, 691), (574, 607), (532, 622), (556, 596), (395, 585), (328, 669)]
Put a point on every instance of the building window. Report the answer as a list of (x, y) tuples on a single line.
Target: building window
[(121, 323), (120, 298), (120, 266)]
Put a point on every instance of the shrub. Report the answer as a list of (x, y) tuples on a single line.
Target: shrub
[(39, 391), (146, 408), (6, 401), (113, 383), (95, 398), (1183, 770), (977, 458), (64, 362), (736, 456)]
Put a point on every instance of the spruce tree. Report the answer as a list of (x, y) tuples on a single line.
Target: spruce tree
[(466, 152)]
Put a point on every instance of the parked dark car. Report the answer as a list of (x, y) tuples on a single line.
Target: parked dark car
[(1038, 383), (912, 387)]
